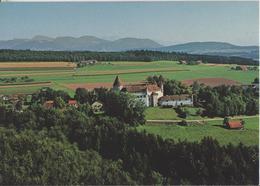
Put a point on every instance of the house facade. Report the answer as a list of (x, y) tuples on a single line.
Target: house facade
[(176, 100), (149, 94)]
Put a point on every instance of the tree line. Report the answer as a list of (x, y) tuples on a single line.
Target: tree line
[(226, 100), (75, 146), (138, 55), (217, 101)]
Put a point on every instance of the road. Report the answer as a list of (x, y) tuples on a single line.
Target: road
[(196, 120)]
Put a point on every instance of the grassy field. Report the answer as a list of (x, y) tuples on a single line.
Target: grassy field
[(158, 113), (129, 72), (248, 136)]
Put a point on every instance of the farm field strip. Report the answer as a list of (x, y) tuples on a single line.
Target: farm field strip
[(129, 71), (20, 90), (26, 85), (91, 86), (38, 73), (36, 64), (31, 69), (138, 72)]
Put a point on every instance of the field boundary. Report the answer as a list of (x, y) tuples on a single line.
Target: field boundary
[(26, 84), (132, 72)]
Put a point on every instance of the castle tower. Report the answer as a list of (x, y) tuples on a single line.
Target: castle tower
[(161, 86), (117, 85)]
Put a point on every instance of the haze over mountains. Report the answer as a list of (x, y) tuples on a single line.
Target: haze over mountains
[(92, 43)]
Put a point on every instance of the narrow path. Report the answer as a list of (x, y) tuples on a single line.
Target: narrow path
[(197, 120)]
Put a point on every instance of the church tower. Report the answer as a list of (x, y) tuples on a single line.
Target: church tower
[(117, 85)]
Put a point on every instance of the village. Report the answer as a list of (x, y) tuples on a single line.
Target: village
[(149, 94)]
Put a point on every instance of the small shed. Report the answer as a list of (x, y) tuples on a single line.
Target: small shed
[(235, 124)]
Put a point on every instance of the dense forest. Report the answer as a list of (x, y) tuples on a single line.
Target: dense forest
[(140, 55), (69, 145)]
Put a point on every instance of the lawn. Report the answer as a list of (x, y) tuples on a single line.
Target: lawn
[(248, 136), (159, 113)]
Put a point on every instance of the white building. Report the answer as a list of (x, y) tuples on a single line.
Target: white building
[(176, 100), (147, 93)]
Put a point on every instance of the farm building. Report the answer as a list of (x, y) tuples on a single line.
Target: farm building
[(176, 100), (243, 68), (89, 62), (149, 94), (182, 62), (235, 124), (73, 103)]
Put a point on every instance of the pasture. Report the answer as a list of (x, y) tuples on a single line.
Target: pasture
[(63, 74), (196, 132), (158, 113)]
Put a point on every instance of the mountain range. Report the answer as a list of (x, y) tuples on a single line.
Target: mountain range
[(92, 43)]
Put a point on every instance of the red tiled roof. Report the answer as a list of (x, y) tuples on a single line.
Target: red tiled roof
[(72, 102), (135, 88), (153, 88), (235, 124), (142, 88)]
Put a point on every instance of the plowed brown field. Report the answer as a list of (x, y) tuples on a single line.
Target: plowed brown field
[(36, 64), (213, 82)]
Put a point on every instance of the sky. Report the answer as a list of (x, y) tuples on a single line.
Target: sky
[(164, 22)]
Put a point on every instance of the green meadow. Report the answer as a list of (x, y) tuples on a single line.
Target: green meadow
[(128, 71), (214, 129), (158, 113)]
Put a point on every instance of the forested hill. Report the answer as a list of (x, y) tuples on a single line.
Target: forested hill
[(138, 55)]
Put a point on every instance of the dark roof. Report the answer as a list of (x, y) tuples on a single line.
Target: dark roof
[(117, 82), (175, 97), (235, 124)]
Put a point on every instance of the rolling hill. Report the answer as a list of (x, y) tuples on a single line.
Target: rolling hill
[(214, 48), (92, 43)]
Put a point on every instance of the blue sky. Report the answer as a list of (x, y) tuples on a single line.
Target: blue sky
[(165, 22)]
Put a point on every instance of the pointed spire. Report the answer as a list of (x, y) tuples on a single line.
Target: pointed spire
[(117, 82)]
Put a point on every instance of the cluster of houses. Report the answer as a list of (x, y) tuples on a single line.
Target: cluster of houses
[(86, 63), (12, 100), (184, 62), (50, 104), (152, 94)]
